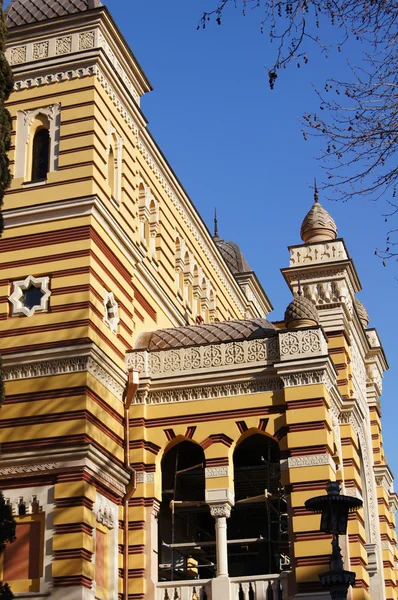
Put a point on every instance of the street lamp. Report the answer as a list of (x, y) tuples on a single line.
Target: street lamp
[(335, 508)]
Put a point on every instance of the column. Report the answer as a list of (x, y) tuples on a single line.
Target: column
[(221, 512)]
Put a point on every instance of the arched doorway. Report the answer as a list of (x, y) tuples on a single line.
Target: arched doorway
[(257, 528), (186, 529)]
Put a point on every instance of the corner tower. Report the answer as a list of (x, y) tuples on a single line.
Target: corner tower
[(322, 267)]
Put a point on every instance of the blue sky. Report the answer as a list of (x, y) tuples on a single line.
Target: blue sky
[(238, 146)]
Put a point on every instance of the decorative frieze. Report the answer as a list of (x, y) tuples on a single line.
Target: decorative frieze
[(208, 357), (143, 477), (28, 469), (213, 472), (188, 394), (310, 460), (62, 366), (317, 253), (302, 343), (307, 378)]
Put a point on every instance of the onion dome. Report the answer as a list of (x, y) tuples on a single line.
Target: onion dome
[(318, 225), (301, 313), (23, 12), (362, 313), (231, 253)]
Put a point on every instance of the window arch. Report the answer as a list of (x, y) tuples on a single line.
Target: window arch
[(259, 516), (40, 154), (184, 517)]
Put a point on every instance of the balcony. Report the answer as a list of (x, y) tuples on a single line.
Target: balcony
[(256, 587)]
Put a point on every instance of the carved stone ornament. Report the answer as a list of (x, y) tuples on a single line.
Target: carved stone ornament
[(207, 357), (63, 45), (318, 253), (28, 469), (301, 343), (21, 287), (111, 312), (40, 50), (220, 510), (213, 472), (308, 378), (311, 460), (86, 40), (105, 516), (143, 477), (17, 55)]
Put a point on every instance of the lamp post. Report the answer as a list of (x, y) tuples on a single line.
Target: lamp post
[(334, 508)]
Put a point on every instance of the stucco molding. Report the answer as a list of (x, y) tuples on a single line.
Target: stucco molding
[(187, 394), (31, 464), (311, 377), (59, 366)]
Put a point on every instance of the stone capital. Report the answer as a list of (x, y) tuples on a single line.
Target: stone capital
[(221, 510)]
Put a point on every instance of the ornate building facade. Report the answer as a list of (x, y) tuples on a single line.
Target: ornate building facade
[(160, 436)]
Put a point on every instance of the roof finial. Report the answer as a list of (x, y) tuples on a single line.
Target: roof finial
[(315, 191), (215, 224)]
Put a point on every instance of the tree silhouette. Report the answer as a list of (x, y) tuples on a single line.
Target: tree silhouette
[(358, 118)]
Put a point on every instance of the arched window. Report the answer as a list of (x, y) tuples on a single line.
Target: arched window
[(40, 154), (257, 528), (184, 517)]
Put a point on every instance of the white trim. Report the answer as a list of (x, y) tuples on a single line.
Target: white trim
[(21, 286)]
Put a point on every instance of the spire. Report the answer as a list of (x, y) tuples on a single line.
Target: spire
[(215, 224), (316, 197)]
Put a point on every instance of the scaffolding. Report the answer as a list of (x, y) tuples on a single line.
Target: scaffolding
[(258, 526)]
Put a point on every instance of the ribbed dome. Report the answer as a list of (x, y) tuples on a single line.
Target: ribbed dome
[(301, 313), (362, 313), (231, 252), (23, 12), (318, 225), (233, 256)]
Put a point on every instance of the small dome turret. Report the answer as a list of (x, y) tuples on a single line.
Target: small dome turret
[(231, 252), (318, 225), (362, 313), (301, 313)]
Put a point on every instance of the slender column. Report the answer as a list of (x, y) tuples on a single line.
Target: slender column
[(221, 512)]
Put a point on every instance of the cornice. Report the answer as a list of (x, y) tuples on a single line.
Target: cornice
[(30, 464), (191, 392), (71, 359)]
